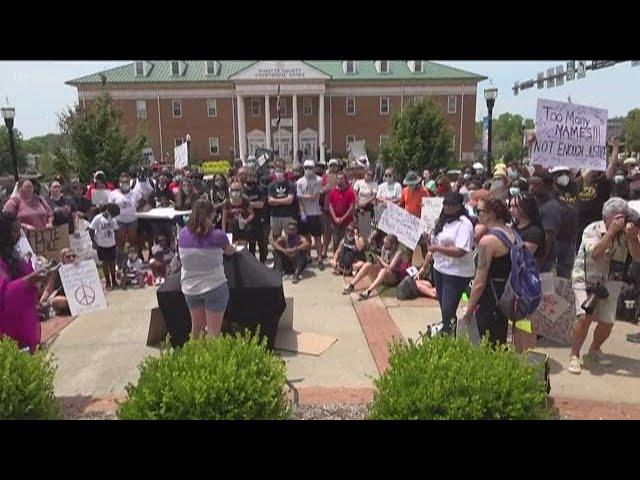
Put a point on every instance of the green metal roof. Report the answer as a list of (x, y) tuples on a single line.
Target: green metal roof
[(195, 72)]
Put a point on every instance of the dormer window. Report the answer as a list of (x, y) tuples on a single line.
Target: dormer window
[(382, 66), (349, 66), (212, 67), (416, 66), (175, 68), (139, 69)]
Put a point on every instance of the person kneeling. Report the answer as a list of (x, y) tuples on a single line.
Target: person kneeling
[(350, 253), (291, 252)]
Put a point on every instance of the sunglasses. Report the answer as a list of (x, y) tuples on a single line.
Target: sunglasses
[(71, 255), (479, 210)]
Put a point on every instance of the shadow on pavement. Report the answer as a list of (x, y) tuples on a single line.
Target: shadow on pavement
[(620, 366)]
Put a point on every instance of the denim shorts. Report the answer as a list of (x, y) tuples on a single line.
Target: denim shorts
[(128, 225), (215, 300)]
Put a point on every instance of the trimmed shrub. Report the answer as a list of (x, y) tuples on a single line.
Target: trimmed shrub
[(213, 168), (26, 384), (448, 379), (227, 378)]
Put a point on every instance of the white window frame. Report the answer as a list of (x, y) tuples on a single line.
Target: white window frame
[(141, 72), (353, 67), (175, 63), (382, 136), (307, 106), (386, 63), (211, 63), (216, 144), (455, 104), (173, 108), (212, 102), (354, 105), (141, 110), (255, 101), (416, 64), (178, 141), (349, 139), (388, 106)]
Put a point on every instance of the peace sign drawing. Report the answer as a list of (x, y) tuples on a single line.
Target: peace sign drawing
[(85, 295)]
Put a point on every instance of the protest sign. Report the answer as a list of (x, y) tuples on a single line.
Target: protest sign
[(402, 224), (431, 208), (165, 213), (181, 155), (82, 287), (48, 243), (24, 250), (570, 135), (80, 241), (98, 197), (556, 314)]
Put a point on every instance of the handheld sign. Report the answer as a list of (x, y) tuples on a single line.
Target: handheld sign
[(402, 224), (431, 208), (181, 155), (574, 136), (82, 287)]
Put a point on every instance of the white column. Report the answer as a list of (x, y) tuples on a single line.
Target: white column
[(267, 121), (295, 128), (321, 124), (242, 129)]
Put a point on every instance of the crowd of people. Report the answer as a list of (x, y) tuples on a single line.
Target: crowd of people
[(317, 215)]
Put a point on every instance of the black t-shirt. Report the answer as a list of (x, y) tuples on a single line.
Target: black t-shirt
[(532, 234), (551, 216), (620, 189), (258, 193), (590, 200), (281, 190), (568, 194)]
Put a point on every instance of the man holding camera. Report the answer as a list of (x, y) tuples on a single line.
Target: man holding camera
[(598, 276)]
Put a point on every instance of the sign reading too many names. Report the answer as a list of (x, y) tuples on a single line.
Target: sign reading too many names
[(570, 135), (399, 222), (82, 287)]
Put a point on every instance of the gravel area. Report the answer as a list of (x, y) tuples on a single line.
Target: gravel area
[(330, 412)]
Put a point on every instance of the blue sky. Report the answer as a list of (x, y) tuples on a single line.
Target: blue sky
[(38, 92)]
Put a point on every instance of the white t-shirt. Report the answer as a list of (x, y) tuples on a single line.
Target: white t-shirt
[(365, 190), (458, 233), (104, 230), (128, 203), (304, 186), (135, 266), (145, 189), (389, 192)]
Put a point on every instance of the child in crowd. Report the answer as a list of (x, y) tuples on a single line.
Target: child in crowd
[(133, 269), (162, 258), (102, 231)]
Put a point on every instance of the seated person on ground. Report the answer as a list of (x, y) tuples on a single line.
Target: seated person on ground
[(389, 267), (290, 251), (54, 295), (425, 287), (350, 253), (162, 257), (132, 272)]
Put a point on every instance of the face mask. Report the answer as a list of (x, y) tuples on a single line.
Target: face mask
[(351, 237), (309, 173), (187, 190), (279, 176), (56, 196), (618, 179), (513, 174), (235, 194), (563, 180), (513, 191), (133, 257), (479, 172), (219, 184), (125, 187), (466, 176), (389, 180), (178, 178)]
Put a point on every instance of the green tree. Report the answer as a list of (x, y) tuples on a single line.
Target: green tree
[(97, 141), (507, 137), (6, 164), (419, 139), (632, 130)]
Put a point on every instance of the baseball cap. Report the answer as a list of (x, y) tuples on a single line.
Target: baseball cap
[(559, 169), (333, 161), (322, 162), (309, 163), (478, 166), (630, 161)]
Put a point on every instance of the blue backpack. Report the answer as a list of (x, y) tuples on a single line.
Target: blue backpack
[(523, 289)]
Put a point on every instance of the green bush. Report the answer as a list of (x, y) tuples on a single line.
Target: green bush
[(26, 384), (448, 379), (227, 378)]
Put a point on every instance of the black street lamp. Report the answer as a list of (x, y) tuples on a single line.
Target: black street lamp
[(9, 113), (490, 95)]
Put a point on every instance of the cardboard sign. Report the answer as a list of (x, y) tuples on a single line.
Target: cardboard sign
[(402, 224), (181, 155), (80, 242), (165, 213), (552, 306), (48, 243), (82, 287), (24, 250), (431, 208), (99, 197), (574, 136)]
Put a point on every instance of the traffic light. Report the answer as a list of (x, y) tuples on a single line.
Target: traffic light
[(559, 75), (540, 80), (581, 71), (571, 70), (551, 82)]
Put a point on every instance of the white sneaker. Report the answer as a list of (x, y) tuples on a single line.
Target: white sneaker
[(598, 358), (575, 366)]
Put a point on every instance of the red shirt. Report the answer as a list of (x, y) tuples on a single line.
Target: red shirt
[(341, 201)]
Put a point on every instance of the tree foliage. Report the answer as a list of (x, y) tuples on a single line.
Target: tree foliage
[(97, 141), (507, 137), (419, 139), (6, 164), (632, 130)]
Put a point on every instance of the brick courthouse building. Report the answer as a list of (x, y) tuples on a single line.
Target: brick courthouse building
[(229, 107)]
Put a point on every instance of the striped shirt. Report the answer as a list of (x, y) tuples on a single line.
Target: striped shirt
[(202, 261)]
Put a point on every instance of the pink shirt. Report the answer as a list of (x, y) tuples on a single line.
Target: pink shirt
[(35, 212)]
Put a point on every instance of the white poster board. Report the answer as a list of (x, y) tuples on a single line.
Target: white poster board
[(82, 287), (574, 136), (99, 197), (402, 224), (80, 241), (147, 153), (165, 213), (431, 208), (181, 155)]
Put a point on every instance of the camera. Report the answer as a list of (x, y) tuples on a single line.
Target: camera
[(594, 294)]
